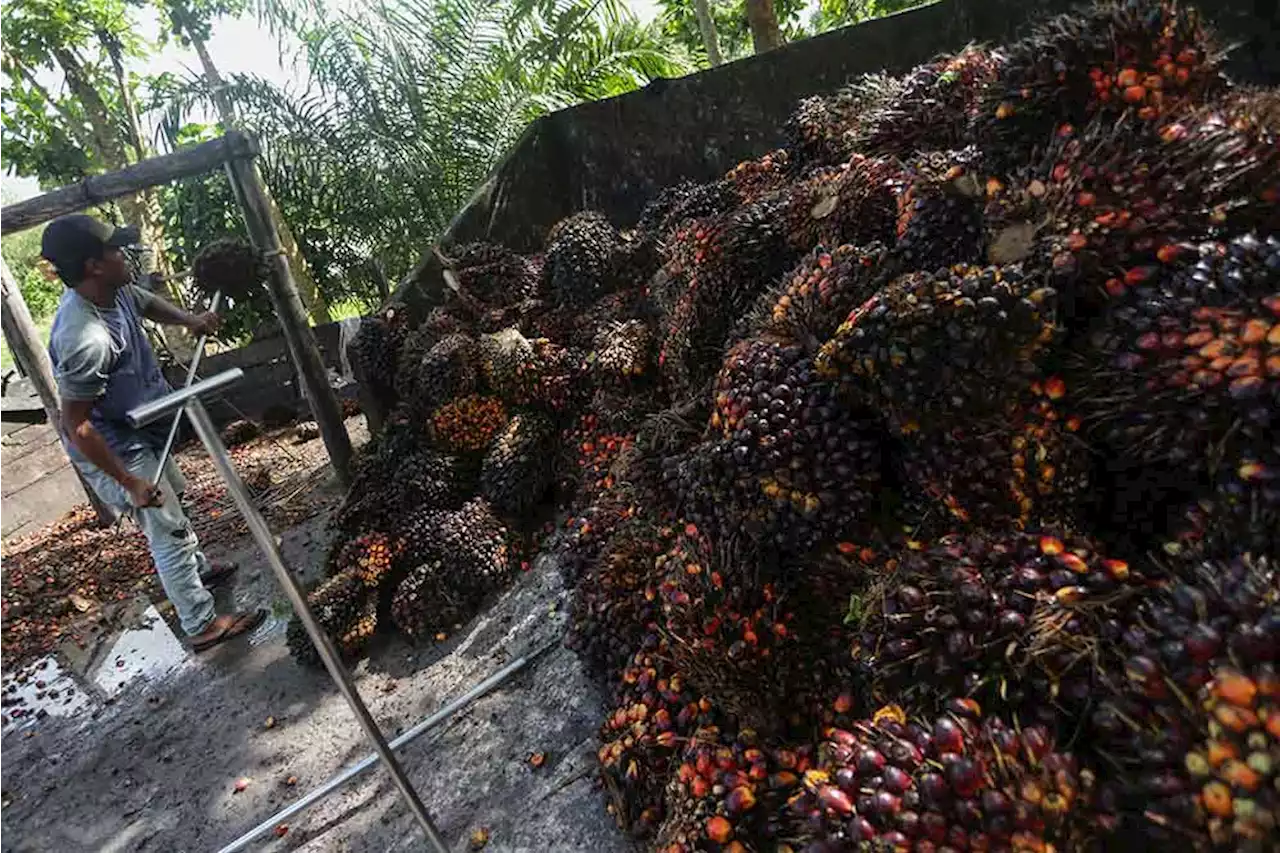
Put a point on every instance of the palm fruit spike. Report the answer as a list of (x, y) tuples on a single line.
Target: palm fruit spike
[(679, 202), (956, 781), (730, 786), (369, 557), (653, 713), (355, 637), (1149, 58), (939, 220), (755, 179), (468, 425), (1027, 465), (849, 203), (519, 467), (337, 603), (1189, 714), (1013, 620), (494, 274), (816, 297), (580, 257), (615, 602), (501, 358), (231, 266), (945, 345), (784, 464), (932, 108)]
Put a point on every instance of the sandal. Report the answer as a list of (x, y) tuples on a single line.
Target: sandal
[(241, 623), (218, 573)]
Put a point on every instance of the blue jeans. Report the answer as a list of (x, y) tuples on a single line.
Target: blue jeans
[(174, 546)]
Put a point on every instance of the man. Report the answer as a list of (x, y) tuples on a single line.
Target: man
[(104, 366)]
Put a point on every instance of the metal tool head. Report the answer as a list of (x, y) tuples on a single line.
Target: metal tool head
[(156, 409)]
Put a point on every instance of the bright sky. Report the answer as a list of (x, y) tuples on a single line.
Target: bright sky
[(237, 45)]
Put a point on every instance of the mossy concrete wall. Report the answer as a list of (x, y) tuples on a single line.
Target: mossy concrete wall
[(613, 155)]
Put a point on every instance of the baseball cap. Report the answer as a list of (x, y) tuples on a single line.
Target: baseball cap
[(69, 241)]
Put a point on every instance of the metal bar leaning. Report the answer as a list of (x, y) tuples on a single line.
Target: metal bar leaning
[(448, 710), (189, 399)]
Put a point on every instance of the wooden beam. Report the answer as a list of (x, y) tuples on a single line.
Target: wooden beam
[(29, 352), (97, 189), (251, 193)]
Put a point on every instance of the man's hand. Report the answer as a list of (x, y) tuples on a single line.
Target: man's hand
[(141, 493), (206, 323)]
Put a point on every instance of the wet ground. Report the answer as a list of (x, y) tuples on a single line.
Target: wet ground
[(140, 745)]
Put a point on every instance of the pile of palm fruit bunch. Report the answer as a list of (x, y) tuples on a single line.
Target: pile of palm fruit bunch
[(918, 483)]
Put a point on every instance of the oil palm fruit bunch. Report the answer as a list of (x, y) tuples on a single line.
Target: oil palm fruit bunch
[(468, 424), (785, 463), (231, 266), (1025, 466), (432, 599), (939, 221), (957, 781), (752, 180), (339, 604), (370, 557), (494, 274), (432, 377), (932, 108), (1017, 621), (686, 200), (501, 357), (936, 346), (374, 348), (823, 129), (592, 450), (817, 296), (519, 467), (652, 713), (615, 603), (852, 202), (588, 529), (730, 786), (1243, 509), (581, 252), (622, 350), (1148, 58), (1189, 714), (1209, 378), (770, 654)]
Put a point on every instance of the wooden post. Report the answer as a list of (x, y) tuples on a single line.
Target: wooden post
[(29, 352), (305, 354)]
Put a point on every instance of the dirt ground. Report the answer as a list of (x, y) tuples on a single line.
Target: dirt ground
[(151, 764)]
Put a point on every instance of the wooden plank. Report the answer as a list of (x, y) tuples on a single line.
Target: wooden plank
[(27, 441), (96, 189)]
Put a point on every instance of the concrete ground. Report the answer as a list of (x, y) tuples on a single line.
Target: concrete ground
[(155, 768)]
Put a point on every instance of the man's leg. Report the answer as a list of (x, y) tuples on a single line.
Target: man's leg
[(174, 547)]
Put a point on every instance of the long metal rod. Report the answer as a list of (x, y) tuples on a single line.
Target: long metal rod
[(266, 541), (191, 376), (439, 716)]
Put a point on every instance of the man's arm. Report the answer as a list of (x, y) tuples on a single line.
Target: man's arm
[(86, 438), (160, 310)]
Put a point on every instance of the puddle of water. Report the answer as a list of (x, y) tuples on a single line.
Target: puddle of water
[(43, 689), (149, 650)]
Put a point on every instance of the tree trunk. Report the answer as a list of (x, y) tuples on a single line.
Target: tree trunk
[(312, 298), (707, 26), (765, 33)]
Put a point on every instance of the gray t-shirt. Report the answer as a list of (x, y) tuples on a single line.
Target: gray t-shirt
[(102, 355)]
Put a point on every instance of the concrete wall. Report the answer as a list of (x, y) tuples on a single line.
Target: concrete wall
[(613, 155)]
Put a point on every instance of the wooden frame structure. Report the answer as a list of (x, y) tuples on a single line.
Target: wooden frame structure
[(235, 152)]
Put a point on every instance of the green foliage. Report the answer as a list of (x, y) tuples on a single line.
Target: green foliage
[(40, 290), (732, 32), (839, 13)]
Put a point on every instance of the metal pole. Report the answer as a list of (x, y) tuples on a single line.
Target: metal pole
[(459, 702), (266, 541), (191, 375)]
